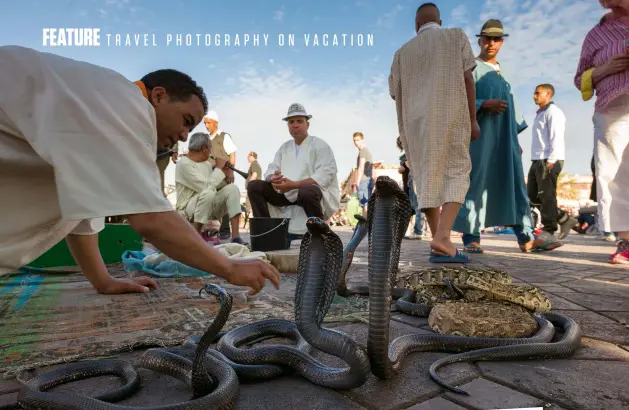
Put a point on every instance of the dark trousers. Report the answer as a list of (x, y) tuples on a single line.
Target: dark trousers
[(542, 192), (225, 230), (262, 193)]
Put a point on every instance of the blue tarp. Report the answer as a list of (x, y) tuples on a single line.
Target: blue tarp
[(134, 262)]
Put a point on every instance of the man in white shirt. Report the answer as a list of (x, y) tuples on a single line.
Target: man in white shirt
[(303, 173), (78, 142), (223, 147), (199, 198), (548, 155)]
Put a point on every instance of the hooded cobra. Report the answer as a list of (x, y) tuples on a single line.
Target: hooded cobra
[(320, 259), (388, 215), (405, 298), (214, 383)]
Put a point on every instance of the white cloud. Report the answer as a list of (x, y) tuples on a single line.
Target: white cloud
[(544, 46), (387, 20), (253, 116), (459, 14), (278, 15)]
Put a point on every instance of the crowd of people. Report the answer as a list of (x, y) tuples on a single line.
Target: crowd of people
[(459, 124), (80, 143)]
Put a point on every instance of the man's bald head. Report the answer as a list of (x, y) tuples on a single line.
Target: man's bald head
[(427, 13)]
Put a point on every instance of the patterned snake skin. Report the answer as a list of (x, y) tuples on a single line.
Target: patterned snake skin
[(388, 215), (214, 383)]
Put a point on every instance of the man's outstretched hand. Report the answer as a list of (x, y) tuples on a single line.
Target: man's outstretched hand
[(253, 273), (142, 284)]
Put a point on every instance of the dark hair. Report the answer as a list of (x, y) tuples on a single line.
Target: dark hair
[(179, 86), (427, 5), (548, 87), (254, 155), (399, 144)]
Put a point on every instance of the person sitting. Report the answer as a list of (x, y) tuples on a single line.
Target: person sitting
[(303, 173), (196, 180)]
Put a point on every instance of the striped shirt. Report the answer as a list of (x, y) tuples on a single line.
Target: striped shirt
[(606, 40)]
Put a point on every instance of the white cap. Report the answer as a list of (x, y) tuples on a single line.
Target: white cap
[(211, 115), (296, 110)]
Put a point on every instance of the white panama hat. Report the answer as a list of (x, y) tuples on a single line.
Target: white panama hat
[(296, 110)]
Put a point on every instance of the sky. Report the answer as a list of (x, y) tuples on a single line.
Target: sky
[(345, 88)]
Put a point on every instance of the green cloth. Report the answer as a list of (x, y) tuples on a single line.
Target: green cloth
[(352, 208)]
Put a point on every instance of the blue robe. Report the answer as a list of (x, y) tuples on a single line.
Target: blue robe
[(497, 194)]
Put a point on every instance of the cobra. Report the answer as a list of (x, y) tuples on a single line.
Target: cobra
[(388, 216), (320, 259), (214, 383)]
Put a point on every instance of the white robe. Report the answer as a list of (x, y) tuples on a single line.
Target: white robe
[(77, 144), (315, 160)]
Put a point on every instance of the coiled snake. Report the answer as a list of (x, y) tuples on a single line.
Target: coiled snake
[(319, 269), (214, 383), (212, 374), (388, 215)]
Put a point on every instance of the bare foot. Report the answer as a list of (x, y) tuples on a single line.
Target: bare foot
[(443, 246), (527, 246)]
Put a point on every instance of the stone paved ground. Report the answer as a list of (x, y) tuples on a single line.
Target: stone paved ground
[(576, 278)]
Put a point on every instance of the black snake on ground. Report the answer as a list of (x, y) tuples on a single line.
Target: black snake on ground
[(213, 381), (388, 215), (320, 259), (213, 377)]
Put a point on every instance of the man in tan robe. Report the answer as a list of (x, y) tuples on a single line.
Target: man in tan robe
[(201, 196), (432, 84)]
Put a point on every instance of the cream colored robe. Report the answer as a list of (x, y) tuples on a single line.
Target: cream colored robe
[(427, 83), (77, 144), (198, 198), (315, 160)]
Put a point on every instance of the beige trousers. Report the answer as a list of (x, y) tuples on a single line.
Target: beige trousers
[(212, 205)]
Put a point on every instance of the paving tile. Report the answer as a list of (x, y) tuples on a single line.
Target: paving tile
[(572, 384), (595, 286), (620, 317), (485, 394), (592, 349), (291, 393), (614, 276), (553, 287), (438, 403), (411, 384), (559, 303), (599, 327), (597, 302)]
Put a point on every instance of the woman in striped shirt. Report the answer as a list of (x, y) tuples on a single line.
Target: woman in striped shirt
[(604, 67)]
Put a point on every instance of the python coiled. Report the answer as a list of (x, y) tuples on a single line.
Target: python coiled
[(388, 216)]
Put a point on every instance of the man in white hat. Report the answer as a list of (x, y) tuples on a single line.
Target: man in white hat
[(222, 147), (303, 173)]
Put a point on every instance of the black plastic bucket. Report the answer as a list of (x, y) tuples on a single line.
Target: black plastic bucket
[(269, 234)]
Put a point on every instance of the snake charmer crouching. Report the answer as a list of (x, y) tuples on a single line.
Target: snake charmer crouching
[(86, 149)]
